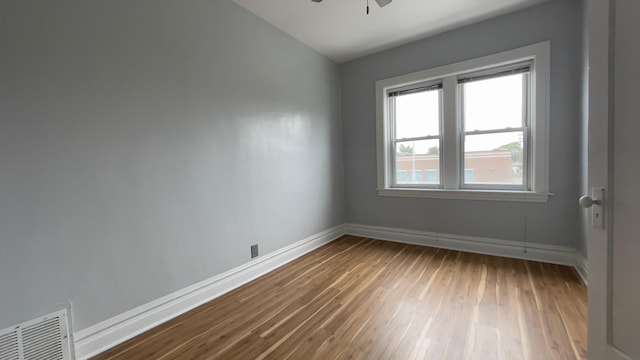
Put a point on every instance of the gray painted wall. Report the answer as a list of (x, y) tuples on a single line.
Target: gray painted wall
[(144, 145), (556, 222)]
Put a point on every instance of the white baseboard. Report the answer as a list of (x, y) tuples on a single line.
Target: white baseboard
[(514, 249), (582, 267), (111, 332), (106, 334)]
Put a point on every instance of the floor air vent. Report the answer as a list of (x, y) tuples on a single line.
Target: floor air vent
[(44, 338)]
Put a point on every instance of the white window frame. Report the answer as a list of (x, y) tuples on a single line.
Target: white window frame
[(451, 159)]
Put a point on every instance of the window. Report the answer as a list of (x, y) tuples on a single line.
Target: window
[(415, 114), (472, 130), (494, 109)]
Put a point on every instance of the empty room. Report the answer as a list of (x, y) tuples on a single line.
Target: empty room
[(319, 179)]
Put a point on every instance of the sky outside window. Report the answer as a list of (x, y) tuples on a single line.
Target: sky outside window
[(495, 103)]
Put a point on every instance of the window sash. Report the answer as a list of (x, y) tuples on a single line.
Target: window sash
[(497, 186), (393, 143), (526, 121)]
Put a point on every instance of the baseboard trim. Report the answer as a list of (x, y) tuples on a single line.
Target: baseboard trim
[(514, 249), (109, 333), (582, 267)]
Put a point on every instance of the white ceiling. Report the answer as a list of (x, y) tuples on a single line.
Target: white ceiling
[(341, 30)]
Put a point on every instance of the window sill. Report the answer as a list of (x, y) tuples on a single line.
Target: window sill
[(490, 195)]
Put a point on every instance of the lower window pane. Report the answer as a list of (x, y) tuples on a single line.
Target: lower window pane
[(417, 162), (494, 159)]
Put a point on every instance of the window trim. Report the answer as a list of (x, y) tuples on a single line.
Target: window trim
[(539, 56)]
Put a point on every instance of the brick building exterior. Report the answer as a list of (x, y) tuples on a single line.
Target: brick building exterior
[(493, 167)]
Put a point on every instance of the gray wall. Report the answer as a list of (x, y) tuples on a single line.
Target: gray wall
[(144, 145), (556, 222)]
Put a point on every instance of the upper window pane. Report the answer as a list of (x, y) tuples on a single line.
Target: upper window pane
[(494, 103), (417, 114)]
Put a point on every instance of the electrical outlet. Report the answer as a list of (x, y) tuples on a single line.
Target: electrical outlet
[(254, 251)]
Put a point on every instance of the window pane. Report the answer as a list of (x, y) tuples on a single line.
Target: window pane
[(495, 103), (417, 114), (494, 158), (469, 175), (417, 162)]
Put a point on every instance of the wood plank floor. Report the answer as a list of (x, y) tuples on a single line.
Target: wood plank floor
[(358, 298)]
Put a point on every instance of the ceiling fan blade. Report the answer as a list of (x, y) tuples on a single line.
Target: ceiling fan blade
[(383, 3)]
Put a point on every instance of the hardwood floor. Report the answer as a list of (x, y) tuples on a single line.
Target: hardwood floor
[(358, 298)]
